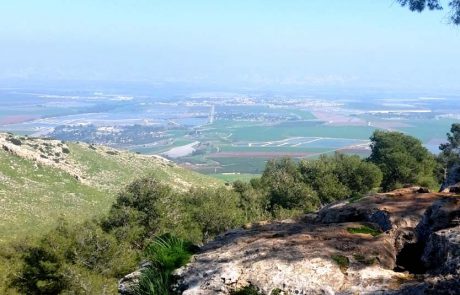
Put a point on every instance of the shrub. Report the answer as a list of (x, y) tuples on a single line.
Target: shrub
[(340, 176), (147, 208), (253, 201), (342, 261), (136, 208), (80, 259), (41, 273), (364, 230), (166, 254), (14, 140), (213, 211), (283, 182)]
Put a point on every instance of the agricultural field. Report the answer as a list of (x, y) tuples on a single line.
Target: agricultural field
[(235, 133)]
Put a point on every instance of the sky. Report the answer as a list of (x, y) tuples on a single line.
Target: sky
[(238, 43)]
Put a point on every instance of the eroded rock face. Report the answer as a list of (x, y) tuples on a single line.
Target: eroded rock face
[(442, 251), (129, 283), (443, 213), (326, 257)]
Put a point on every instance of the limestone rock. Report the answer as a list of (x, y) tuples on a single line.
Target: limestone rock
[(128, 284), (320, 255), (442, 251)]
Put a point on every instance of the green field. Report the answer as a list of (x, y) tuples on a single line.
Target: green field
[(234, 177), (433, 129), (270, 133)]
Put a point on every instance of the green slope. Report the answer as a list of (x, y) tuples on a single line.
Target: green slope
[(78, 185)]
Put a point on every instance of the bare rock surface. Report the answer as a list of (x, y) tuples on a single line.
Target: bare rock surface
[(327, 257)]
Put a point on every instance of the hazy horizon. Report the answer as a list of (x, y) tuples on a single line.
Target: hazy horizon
[(258, 44)]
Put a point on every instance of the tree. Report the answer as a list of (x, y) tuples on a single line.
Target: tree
[(214, 211), (340, 176), (80, 259), (402, 160), (421, 5), (254, 201), (286, 190), (450, 153), (135, 211)]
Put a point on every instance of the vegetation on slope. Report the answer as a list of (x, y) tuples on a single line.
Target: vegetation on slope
[(90, 257), (42, 180)]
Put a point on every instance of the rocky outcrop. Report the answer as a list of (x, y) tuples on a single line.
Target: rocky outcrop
[(340, 251), (442, 251), (129, 283)]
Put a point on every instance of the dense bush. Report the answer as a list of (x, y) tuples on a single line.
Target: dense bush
[(81, 259), (148, 208), (91, 257), (14, 140), (286, 190), (402, 160), (305, 185), (338, 177), (135, 213), (213, 211)]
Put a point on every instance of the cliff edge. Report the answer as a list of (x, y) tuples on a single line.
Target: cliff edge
[(404, 242)]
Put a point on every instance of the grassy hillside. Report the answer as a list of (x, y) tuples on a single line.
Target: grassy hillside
[(42, 180)]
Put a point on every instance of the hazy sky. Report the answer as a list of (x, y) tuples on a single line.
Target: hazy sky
[(235, 42)]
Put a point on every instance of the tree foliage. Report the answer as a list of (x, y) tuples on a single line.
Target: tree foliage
[(450, 151), (402, 160), (340, 176), (83, 259), (285, 188), (449, 158), (421, 5)]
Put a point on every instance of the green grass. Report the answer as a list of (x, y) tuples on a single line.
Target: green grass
[(364, 230), (33, 196), (342, 261), (109, 171)]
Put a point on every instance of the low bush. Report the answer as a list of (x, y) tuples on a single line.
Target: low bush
[(14, 140), (342, 261), (364, 230)]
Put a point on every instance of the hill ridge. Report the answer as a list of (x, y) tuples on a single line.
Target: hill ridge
[(44, 179)]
